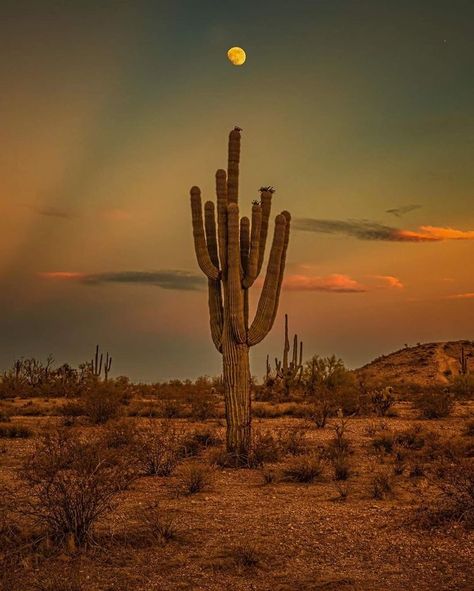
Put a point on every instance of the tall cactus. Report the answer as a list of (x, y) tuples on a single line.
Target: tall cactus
[(290, 372), (231, 256)]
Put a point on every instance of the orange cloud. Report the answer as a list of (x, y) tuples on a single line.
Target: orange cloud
[(462, 296), (434, 234), (390, 281), (333, 283), (62, 275)]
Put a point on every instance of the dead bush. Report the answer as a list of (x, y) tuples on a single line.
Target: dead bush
[(158, 448), (434, 405), (157, 526), (380, 485), (102, 402), (304, 469), (15, 432), (292, 441), (70, 484), (192, 479), (453, 495)]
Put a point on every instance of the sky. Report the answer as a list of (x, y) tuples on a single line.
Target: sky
[(359, 112)]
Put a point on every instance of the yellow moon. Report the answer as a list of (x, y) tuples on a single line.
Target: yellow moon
[(236, 56)]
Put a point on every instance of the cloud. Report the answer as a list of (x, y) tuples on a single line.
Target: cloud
[(399, 211), (178, 280), (368, 230), (333, 283), (54, 212), (389, 281), (462, 296)]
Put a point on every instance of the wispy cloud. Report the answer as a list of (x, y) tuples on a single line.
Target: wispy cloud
[(174, 279), (368, 230), (399, 211), (461, 296), (389, 281), (53, 212), (335, 282)]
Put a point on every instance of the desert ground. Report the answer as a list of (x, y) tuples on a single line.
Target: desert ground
[(364, 510)]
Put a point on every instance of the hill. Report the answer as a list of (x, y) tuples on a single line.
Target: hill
[(424, 364)]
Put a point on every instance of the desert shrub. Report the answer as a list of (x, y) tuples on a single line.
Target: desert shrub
[(382, 401), (469, 429), (72, 408), (399, 463), (303, 469), (343, 488), (320, 411), (157, 526), (192, 479), (171, 409), (380, 485), (203, 408), (412, 438), (71, 484), (119, 434), (462, 386), (102, 402), (375, 427), (15, 432), (269, 476), (434, 405), (264, 449), (341, 467), (193, 442), (245, 556), (453, 498), (158, 449), (266, 411), (292, 441), (383, 443)]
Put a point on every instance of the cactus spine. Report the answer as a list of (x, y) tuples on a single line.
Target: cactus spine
[(230, 253)]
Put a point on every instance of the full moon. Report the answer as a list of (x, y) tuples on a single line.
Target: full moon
[(236, 56)]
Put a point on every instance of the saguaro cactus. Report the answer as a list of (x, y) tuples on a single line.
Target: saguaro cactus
[(231, 256), (290, 372)]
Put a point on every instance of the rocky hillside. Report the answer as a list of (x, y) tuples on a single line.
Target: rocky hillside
[(425, 364)]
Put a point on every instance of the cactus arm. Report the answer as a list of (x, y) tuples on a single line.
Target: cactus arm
[(211, 236), (244, 244), (221, 192), (268, 302), (266, 201), (200, 246), (283, 258), (216, 314), (233, 166), (235, 292), (252, 268)]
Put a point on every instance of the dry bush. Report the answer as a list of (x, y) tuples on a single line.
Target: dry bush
[(371, 429), (320, 411), (203, 408), (158, 448), (383, 443), (434, 405), (469, 429), (292, 441), (303, 469), (382, 401), (121, 433), (102, 402), (14, 432), (245, 556), (380, 485), (70, 484), (192, 479), (156, 526), (72, 408), (453, 495), (343, 489), (269, 476), (195, 441), (341, 467)]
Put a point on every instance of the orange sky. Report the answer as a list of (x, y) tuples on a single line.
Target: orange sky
[(362, 117)]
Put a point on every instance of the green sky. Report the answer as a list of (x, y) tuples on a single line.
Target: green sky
[(360, 113)]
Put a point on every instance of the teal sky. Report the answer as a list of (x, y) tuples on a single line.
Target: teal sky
[(359, 112)]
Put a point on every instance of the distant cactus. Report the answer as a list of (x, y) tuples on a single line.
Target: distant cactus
[(290, 372), (231, 255), (97, 364)]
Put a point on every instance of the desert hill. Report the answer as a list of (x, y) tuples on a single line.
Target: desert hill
[(424, 364)]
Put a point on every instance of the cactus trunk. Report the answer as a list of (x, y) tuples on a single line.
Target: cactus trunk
[(230, 253), (236, 371)]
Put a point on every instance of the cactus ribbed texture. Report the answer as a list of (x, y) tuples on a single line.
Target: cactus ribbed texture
[(231, 254)]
